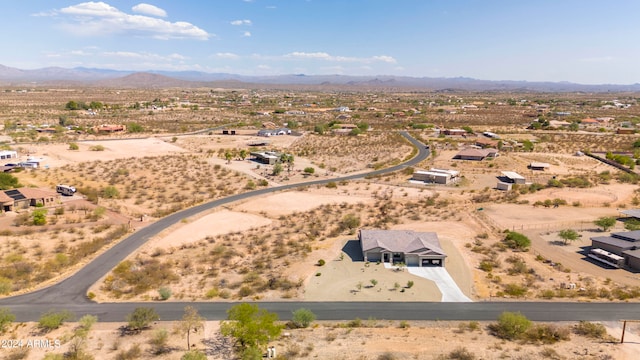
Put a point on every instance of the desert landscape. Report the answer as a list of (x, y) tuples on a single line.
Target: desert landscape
[(302, 244)]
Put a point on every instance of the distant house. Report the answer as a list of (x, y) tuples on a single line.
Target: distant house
[(513, 177), (266, 157), (401, 246), (274, 132), (625, 131), (23, 198), (476, 154), (436, 176), (621, 244), (454, 132), (8, 154), (486, 143), (539, 166), (107, 129)]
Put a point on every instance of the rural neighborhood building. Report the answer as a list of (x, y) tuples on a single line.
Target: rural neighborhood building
[(487, 143), (266, 157), (274, 132), (455, 132), (437, 176), (513, 177), (625, 131), (624, 244), (539, 166), (8, 154), (402, 246), (476, 154), (108, 129), (23, 198)]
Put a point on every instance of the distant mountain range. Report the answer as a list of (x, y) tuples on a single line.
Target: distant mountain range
[(57, 76)]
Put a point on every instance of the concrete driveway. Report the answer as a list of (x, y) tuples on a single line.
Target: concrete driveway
[(448, 287)]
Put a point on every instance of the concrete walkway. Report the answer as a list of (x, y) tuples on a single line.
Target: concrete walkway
[(445, 283)]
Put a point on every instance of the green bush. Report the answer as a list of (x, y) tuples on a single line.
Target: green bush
[(517, 241), (164, 292), (141, 317), (510, 326), (591, 330), (302, 318), (6, 318), (321, 262), (53, 320)]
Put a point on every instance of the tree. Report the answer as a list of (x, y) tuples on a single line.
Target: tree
[(251, 326), (133, 127), (277, 169), (510, 326), (191, 321), (605, 223), (141, 317), (8, 181), (302, 318), (517, 241), (243, 154), (350, 222), (40, 217), (228, 156), (287, 159), (6, 318), (72, 105), (569, 235)]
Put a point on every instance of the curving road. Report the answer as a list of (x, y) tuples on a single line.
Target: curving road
[(69, 294)]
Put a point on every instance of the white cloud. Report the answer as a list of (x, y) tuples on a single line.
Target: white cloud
[(384, 58), (144, 55), (246, 34), (99, 18), (241, 22), (148, 9), (327, 57), (227, 55)]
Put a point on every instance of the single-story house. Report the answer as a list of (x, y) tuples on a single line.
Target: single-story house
[(455, 132), (109, 128), (513, 177), (266, 157), (23, 198), (486, 143), (401, 246), (476, 154), (539, 166), (625, 131), (8, 154), (436, 176), (274, 132), (625, 244)]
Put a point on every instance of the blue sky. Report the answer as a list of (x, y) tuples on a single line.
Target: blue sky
[(582, 41)]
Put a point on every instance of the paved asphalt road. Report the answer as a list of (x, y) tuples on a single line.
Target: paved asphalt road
[(69, 294)]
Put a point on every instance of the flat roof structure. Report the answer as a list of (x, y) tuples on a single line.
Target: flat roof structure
[(633, 213), (513, 175)]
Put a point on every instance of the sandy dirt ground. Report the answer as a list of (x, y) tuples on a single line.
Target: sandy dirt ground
[(329, 282)]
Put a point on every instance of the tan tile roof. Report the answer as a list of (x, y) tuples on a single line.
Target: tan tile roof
[(404, 241), (33, 193)]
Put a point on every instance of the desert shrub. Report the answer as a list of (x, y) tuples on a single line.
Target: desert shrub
[(460, 353), (591, 330), (53, 320), (164, 292), (409, 284), (141, 317), (387, 356), (547, 333), (133, 352), (6, 318), (212, 293), (97, 148), (515, 290), (302, 318), (321, 262), (517, 241), (510, 326), (159, 341), (486, 265), (73, 146)]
